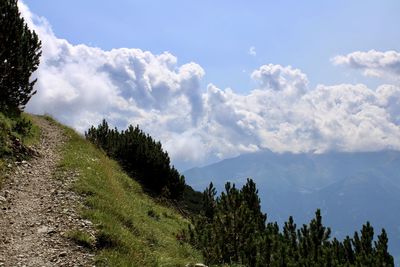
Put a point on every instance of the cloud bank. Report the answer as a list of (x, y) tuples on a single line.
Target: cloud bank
[(373, 63), (80, 85)]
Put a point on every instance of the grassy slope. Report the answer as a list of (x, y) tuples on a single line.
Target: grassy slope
[(34, 135), (133, 229), (6, 130)]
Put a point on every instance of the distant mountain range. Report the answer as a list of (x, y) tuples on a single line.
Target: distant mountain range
[(349, 188)]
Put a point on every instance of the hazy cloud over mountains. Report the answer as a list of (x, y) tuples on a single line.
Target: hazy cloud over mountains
[(80, 85)]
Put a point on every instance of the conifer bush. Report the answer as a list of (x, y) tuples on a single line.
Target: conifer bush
[(142, 157), (231, 229)]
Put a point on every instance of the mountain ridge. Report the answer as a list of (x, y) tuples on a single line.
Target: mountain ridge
[(349, 187)]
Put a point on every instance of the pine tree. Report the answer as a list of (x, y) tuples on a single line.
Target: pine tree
[(363, 247), (290, 236), (209, 204), (250, 197), (348, 250), (235, 235), (19, 58), (319, 235), (142, 157), (382, 257)]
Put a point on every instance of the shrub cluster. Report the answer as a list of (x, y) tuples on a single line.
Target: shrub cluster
[(231, 229), (141, 156)]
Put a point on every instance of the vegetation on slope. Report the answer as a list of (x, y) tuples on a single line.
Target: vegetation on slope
[(145, 160), (141, 156), (17, 133), (20, 50), (232, 229), (133, 229)]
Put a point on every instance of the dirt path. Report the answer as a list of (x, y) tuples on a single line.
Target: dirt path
[(37, 210)]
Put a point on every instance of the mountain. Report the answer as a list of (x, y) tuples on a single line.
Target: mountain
[(350, 188)]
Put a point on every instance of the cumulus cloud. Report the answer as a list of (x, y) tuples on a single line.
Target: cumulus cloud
[(76, 78), (289, 80), (341, 117), (80, 85), (373, 63), (252, 51)]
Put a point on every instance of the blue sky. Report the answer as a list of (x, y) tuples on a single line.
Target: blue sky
[(215, 79), (218, 34)]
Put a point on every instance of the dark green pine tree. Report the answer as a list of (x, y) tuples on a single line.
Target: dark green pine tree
[(252, 201), (228, 224), (290, 237), (304, 240), (319, 235), (364, 251), (20, 50), (203, 234), (235, 235), (252, 225), (142, 157), (349, 256), (382, 256), (335, 253), (209, 203)]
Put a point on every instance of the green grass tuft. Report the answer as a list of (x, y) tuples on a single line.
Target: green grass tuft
[(33, 136), (133, 230), (82, 238)]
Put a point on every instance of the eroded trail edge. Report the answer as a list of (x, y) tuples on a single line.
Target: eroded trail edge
[(37, 210)]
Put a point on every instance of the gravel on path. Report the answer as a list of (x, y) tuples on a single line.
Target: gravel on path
[(37, 210)]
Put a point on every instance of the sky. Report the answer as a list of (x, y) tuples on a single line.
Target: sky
[(214, 79)]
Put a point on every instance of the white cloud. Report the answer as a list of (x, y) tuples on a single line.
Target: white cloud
[(76, 78), (373, 63), (80, 85), (284, 79), (252, 51), (342, 117)]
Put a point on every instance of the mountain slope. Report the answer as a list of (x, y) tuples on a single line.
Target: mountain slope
[(112, 217), (37, 210), (133, 229), (350, 188)]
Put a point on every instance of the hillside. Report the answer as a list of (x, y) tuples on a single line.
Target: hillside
[(37, 210), (349, 188), (71, 205)]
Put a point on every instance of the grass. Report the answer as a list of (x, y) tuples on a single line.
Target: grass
[(82, 238), (22, 128), (33, 137), (132, 229)]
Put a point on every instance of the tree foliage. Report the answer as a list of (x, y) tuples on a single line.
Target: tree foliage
[(141, 156), (231, 229), (20, 50)]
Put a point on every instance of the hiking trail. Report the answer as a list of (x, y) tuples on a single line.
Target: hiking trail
[(38, 209)]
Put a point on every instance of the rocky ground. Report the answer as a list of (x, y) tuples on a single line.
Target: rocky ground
[(37, 210)]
